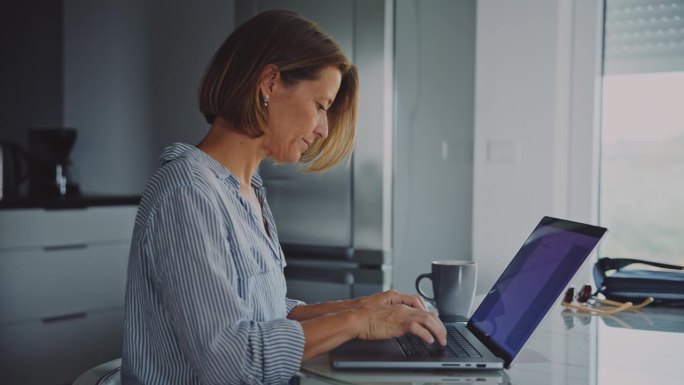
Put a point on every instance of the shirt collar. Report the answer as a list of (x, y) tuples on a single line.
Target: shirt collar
[(182, 150)]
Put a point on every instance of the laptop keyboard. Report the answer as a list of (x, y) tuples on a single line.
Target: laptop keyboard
[(457, 346)]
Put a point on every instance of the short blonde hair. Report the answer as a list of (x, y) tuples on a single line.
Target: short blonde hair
[(300, 50)]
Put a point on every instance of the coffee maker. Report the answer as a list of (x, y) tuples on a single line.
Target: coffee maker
[(51, 170)]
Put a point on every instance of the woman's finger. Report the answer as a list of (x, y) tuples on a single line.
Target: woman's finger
[(413, 301), (419, 330), (437, 329), (426, 326), (417, 302)]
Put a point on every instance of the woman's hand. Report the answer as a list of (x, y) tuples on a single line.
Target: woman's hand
[(391, 297), (379, 316), (389, 321)]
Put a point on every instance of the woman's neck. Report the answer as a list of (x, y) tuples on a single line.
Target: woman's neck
[(237, 152)]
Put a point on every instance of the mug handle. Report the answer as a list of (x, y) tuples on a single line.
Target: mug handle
[(422, 294)]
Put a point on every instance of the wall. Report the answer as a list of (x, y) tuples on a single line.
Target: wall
[(538, 71), (131, 73), (30, 68), (434, 103), (185, 36), (535, 149)]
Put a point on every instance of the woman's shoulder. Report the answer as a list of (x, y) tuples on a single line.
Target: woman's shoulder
[(182, 171)]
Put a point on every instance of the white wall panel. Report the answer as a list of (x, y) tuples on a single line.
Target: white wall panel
[(537, 73)]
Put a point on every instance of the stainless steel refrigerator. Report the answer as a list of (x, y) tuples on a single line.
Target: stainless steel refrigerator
[(335, 227)]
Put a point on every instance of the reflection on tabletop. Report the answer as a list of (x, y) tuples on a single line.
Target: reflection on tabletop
[(661, 319), (643, 347)]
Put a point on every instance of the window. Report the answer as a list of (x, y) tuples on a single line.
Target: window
[(642, 166), (642, 143)]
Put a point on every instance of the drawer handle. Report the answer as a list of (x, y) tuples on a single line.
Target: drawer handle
[(65, 317), (65, 247)]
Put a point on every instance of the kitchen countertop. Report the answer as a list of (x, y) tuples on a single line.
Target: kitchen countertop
[(629, 348), (69, 202)]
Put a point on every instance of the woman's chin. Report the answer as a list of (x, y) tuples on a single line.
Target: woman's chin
[(295, 158)]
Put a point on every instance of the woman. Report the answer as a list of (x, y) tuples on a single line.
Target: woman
[(205, 299)]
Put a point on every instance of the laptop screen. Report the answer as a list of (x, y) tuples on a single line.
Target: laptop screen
[(532, 282)]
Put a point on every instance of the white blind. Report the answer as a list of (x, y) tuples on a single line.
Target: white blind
[(644, 36)]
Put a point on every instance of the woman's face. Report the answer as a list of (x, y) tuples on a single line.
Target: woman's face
[(297, 114)]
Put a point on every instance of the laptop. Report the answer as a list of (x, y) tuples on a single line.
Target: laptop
[(424, 377), (505, 319)]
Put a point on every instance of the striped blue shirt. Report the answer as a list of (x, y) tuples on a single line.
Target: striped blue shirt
[(205, 298)]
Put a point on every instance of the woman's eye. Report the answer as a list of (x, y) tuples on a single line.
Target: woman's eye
[(320, 107)]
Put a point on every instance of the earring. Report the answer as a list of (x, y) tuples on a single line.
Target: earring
[(265, 100)]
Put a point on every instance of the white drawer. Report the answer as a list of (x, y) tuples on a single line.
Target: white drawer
[(39, 227), (38, 284), (37, 353)]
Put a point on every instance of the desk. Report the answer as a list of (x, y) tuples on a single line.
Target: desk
[(645, 347)]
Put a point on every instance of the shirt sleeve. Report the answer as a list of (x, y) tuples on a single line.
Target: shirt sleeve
[(210, 321), (291, 304)]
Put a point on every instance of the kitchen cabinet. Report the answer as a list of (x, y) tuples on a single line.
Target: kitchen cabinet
[(62, 287)]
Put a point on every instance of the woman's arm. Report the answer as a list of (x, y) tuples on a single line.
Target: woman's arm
[(327, 332), (389, 314), (390, 297), (307, 312)]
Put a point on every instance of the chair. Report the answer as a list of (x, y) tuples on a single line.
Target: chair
[(108, 373)]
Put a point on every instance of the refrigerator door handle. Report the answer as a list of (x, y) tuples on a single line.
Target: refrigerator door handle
[(365, 257), (317, 252), (316, 274)]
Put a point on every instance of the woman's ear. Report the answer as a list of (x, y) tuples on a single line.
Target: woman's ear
[(269, 76)]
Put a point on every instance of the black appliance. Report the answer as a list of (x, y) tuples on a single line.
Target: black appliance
[(51, 170), (13, 170)]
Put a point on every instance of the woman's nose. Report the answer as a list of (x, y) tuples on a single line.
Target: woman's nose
[(321, 129)]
